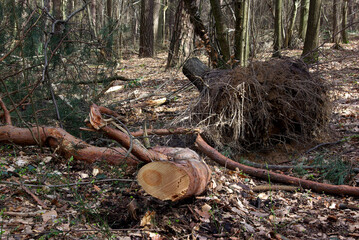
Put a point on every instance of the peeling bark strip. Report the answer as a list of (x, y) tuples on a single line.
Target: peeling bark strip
[(183, 177), (275, 177)]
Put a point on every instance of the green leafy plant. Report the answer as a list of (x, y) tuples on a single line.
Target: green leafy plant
[(134, 83)]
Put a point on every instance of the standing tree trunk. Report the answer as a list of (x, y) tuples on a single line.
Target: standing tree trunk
[(146, 29), (310, 51), (172, 58), (69, 7), (220, 32), (336, 36), (182, 35), (202, 32), (277, 28), (156, 22), (91, 10), (304, 12), (241, 32), (345, 38), (181, 40), (110, 29), (289, 35)]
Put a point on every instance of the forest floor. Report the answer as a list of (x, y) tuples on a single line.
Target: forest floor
[(44, 196)]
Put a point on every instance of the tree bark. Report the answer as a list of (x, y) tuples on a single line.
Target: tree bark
[(304, 12), (278, 28), (109, 36), (335, 36), (194, 69), (289, 35), (201, 31), (241, 32), (220, 32), (65, 143), (156, 22), (345, 38), (146, 29), (182, 38), (310, 51)]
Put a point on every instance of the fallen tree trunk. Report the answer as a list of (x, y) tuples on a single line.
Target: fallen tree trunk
[(275, 177), (255, 172), (66, 144), (183, 177)]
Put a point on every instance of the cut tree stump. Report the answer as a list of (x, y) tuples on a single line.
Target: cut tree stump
[(183, 177)]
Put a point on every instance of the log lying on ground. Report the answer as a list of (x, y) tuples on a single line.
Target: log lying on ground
[(172, 174), (275, 177), (183, 177), (66, 144), (256, 172)]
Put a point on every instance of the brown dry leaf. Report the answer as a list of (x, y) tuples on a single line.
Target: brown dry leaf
[(97, 189), (133, 208), (49, 215), (95, 171), (204, 212), (147, 220), (155, 236)]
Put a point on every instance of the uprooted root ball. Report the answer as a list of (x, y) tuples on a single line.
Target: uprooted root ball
[(262, 104)]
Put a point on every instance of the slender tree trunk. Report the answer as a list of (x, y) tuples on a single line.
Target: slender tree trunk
[(134, 24), (248, 25), (175, 37), (92, 16), (156, 21), (146, 29), (220, 29), (110, 29), (241, 32), (310, 51), (289, 35), (304, 12), (277, 28), (69, 7), (161, 24), (201, 31), (336, 36), (345, 38)]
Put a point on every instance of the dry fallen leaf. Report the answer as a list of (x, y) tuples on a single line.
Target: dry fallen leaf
[(49, 215), (147, 220), (95, 171)]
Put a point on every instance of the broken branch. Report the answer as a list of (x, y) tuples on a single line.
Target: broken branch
[(274, 177)]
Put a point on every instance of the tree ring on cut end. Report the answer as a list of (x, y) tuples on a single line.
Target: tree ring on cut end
[(164, 180)]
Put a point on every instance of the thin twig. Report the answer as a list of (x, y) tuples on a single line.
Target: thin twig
[(70, 184), (128, 133), (33, 196)]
